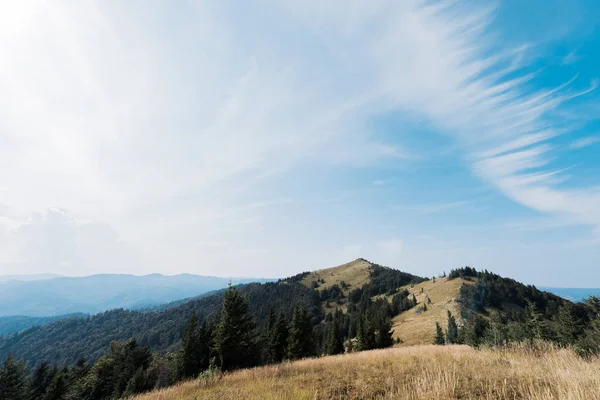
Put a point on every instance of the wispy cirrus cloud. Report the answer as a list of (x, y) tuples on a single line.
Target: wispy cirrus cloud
[(584, 142), (174, 123)]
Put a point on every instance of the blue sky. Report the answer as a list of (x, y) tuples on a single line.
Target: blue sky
[(267, 138)]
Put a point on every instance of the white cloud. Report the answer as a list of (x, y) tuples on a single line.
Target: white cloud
[(169, 122), (584, 142)]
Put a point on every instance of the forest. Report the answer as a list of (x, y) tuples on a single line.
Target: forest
[(241, 327)]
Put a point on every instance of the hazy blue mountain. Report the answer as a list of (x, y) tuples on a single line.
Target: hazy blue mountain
[(35, 277), (573, 294), (96, 293), (17, 323)]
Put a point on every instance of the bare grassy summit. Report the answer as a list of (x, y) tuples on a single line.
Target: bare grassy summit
[(417, 372), (354, 274)]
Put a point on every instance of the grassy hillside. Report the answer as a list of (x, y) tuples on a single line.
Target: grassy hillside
[(355, 274), (417, 372), (417, 327)]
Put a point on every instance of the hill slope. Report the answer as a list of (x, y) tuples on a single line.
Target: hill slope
[(18, 323), (416, 326), (68, 340), (418, 372)]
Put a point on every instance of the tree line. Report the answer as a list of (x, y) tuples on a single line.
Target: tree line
[(496, 311), (254, 325)]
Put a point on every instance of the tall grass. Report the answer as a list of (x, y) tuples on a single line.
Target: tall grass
[(418, 372)]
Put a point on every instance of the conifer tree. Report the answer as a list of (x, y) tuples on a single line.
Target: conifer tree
[(13, 383), (567, 324), (335, 341), (189, 358), (299, 340), (58, 386), (281, 339), (235, 337), (384, 334), (269, 339), (366, 334), (534, 323), (452, 331), (439, 335), (39, 381)]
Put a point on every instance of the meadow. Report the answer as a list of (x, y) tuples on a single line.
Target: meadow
[(416, 372)]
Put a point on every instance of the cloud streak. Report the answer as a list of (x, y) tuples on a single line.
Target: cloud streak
[(173, 124)]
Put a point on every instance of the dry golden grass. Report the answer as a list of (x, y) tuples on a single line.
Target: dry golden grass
[(417, 372), (415, 327), (355, 274)]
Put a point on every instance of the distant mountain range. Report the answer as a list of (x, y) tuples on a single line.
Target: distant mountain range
[(34, 277), (47, 296), (573, 294)]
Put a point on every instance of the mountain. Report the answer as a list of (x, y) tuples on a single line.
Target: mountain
[(66, 341), (97, 293), (17, 323), (573, 294), (355, 307), (34, 277)]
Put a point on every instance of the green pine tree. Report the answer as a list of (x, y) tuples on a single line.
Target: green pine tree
[(269, 339), (335, 341), (281, 340), (439, 335), (452, 331), (13, 382), (40, 379), (384, 334), (188, 365), (235, 337), (300, 333)]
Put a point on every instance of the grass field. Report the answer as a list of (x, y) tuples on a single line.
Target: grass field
[(416, 327), (355, 274), (416, 372)]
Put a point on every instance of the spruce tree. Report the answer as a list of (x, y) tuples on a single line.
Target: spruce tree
[(40, 379), (452, 331), (335, 341), (13, 382), (384, 334), (534, 323), (235, 337), (567, 324), (269, 339), (58, 386), (281, 339), (439, 335), (188, 365), (299, 340)]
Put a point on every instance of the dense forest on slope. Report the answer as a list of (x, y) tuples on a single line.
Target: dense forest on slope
[(131, 352), (18, 323), (68, 340), (497, 311), (251, 325)]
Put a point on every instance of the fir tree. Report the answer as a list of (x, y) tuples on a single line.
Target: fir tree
[(281, 339), (39, 381), (58, 386), (452, 331), (299, 340), (269, 339), (189, 358), (439, 335), (235, 337), (384, 334), (567, 324), (13, 383), (335, 341)]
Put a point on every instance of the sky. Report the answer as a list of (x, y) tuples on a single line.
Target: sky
[(264, 138)]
